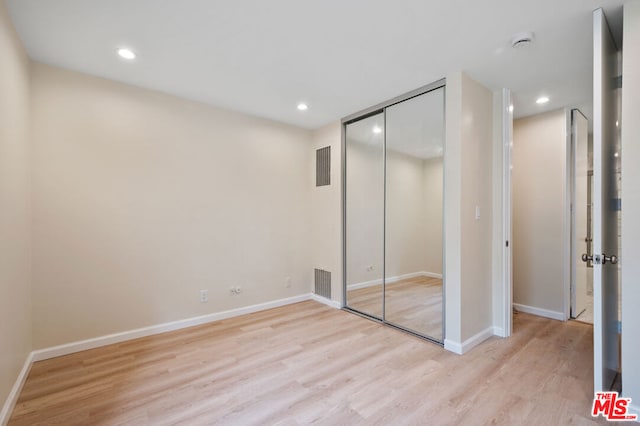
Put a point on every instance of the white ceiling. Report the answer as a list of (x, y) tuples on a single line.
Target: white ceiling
[(263, 57)]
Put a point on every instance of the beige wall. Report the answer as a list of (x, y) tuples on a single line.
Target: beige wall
[(433, 180), (326, 209), (468, 183), (143, 199), (413, 214), (365, 212), (477, 184), (538, 185), (15, 209), (631, 203)]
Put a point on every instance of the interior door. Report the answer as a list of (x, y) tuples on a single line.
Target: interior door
[(581, 241), (606, 204)]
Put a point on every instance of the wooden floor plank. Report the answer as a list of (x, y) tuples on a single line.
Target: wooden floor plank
[(307, 363)]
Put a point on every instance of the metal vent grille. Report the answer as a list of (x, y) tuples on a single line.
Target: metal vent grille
[(323, 283), (323, 166)]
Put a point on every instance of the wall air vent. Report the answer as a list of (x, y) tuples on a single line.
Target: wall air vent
[(323, 166), (322, 283)]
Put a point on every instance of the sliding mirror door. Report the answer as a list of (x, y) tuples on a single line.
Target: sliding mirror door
[(393, 212), (364, 217), (414, 206)]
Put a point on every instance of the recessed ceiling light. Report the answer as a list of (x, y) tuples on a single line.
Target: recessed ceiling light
[(510, 108), (302, 106), (542, 100), (616, 155), (377, 130), (125, 53)]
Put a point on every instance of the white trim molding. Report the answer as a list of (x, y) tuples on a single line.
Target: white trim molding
[(540, 312), (110, 339), (499, 331), (392, 280), (470, 343), (12, 399), (83, 345), (452, 346), (329, 302)]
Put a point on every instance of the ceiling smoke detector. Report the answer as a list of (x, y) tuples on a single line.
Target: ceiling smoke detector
[(521, 40)]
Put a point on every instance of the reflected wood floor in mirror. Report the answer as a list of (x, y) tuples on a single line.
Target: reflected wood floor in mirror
[(413, 303), (307, 363)]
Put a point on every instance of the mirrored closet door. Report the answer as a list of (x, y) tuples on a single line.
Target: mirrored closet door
[(364, 225), (393, 213)]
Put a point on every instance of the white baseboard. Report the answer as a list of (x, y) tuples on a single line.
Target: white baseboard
[(332, 303), (499, 331), (470, 343), (452, 346), (83, 345), (539, 312), (391, 280), (10, 403), (110, 339)]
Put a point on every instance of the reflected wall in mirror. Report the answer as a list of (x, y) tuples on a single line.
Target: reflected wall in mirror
[(364, 227), (414, 206)]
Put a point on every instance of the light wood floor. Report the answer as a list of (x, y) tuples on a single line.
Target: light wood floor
[(307, 363), (413, 303)]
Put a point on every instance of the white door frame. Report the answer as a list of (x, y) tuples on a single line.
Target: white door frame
[(573, 182), (506, 243), (567, 220), (506, 274)]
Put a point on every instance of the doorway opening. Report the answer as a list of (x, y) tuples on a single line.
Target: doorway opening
[(581, 177)]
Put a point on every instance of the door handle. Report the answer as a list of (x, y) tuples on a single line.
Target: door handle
[(613, 259), (588, 257)]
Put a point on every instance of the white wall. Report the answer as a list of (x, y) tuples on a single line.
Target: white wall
[(631, 203), (468, 183), (538, 191), (142, 199), (15, 206)]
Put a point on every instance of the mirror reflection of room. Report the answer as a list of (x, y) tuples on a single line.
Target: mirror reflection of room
[(407, 253), (413, 249), (365, 214)]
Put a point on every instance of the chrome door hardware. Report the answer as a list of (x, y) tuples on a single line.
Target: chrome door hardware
[(597, 259)]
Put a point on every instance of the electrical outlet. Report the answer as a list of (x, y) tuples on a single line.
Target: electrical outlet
[(238, 290), (369, 268), (204, 296), (287, 281), (235, 290)]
